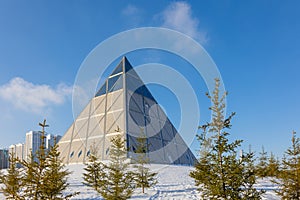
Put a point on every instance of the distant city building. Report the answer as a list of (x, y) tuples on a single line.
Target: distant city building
[(3, 158), (20, 151), (58, 137), (12, 149), (17, 150), (32, 144), (51, 140)]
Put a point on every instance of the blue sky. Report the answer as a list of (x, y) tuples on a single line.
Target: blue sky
[(255, 45)]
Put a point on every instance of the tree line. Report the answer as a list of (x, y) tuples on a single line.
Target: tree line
[(221, 172)]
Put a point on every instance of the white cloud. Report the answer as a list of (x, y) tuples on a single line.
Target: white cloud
[(33, 97), (130, 10), (178, 16), (132, 16)]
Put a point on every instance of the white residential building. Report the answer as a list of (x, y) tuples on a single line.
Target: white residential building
[(20, 151), (17, 150), (32, 143)]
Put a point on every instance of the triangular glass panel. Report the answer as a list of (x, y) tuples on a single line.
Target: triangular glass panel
[(102, 90), (118, 69), (127, 65), (115, 83)]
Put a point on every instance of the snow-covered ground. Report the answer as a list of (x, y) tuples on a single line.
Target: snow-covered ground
[(173, 183)]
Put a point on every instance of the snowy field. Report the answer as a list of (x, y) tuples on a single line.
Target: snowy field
[(173, 183)]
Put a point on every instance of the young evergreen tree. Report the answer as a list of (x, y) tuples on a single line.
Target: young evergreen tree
[(55, 177), (273, 166), (262, 165), (249, 178), (290, 175), (12, 181), (29, 177), (206, 144), (220, 174), (44, 174), (113, 180), (144, 178), (35, 168), (94, 175), (119, 182)]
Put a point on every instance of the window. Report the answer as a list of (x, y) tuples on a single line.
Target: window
[(187, 157), (118, 69), (115, 83), (107, 151), (72, 154), (88, 153), (79, 154), (102, 90), (143, 90), (127, 66)]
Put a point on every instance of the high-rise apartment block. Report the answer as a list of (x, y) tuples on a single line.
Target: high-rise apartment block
[(33, 141), (18, 150), (3, 158)]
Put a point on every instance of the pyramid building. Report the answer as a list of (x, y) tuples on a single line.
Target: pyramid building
[(124, 106)]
